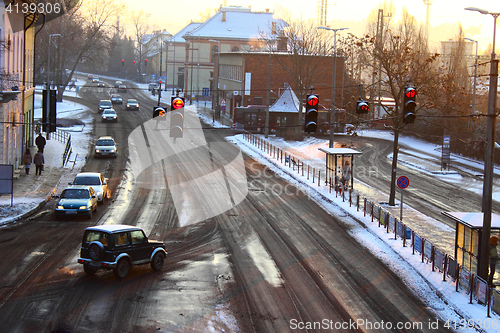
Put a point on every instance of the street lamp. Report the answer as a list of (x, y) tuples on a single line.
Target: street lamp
[(332, 111), (475, 77), (217, 78), (48, 60), (490, 150)]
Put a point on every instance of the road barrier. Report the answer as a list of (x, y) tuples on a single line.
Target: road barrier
[(442, 263)]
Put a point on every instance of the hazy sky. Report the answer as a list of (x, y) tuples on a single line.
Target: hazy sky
[(174, 15)]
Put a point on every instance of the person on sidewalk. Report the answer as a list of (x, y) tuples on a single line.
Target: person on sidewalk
[(39, 162), (493, 258), (346, 175), (40, 142), (27, 160)]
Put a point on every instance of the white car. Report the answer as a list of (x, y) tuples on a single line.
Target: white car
[(105, 146), (94, 180), (109, 115)]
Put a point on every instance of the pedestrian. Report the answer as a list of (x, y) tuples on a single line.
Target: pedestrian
[(346, 175), (40, 142), (27, 160), (493, 258), (39, 162)]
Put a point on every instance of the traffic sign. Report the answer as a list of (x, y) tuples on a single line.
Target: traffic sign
[(223, 102), (403, 182), (177, 103)]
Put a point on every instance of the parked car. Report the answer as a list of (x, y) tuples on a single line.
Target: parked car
[(118, 83), (105, 104), (132, 104), (118, 247), (96, 181), (105, 146), (109, 115), (76, 200), (116, 99), (122, 88)]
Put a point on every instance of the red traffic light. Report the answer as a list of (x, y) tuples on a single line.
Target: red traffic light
[(123, 60), (177, 103), (134, 61), (410, 93), (312, 100)]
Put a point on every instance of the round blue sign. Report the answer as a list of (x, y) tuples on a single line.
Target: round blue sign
[(403, 182)]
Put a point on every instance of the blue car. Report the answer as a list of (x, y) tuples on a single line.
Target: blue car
[(77, 200)]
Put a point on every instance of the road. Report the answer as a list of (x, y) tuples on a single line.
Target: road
[(276, 262)]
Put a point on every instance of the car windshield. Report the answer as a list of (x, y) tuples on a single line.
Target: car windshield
[(132, 101), (106, 103), (105, 142), (75, 194), (87, 181), (109, 111)]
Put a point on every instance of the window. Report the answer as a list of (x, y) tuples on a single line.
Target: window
[(257, 100), (235, 49), (121, 239), (138, 237)]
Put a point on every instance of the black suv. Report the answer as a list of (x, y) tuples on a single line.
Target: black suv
[(118, 247)]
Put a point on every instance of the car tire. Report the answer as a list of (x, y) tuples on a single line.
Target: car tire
[(89, 269), (96, 250), (158, 261), (122, 268)]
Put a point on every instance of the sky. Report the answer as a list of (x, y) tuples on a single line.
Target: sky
[(176, 15)]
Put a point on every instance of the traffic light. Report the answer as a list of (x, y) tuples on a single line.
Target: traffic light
[(134, 62), (123, 62), (159, 112), (311, 122), (362, 107), (177, 117), (409, 105), (145, 62)]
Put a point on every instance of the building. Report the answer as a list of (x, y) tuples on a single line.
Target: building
[(231, 29), (17, 89)]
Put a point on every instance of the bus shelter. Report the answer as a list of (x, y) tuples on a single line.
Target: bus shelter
[(468, 234), (336, 159)]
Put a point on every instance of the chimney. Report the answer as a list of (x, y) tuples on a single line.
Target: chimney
[(267, 10), (223, 16)]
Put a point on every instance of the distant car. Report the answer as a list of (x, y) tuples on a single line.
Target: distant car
[(76, 200), (153, 85), (118, 247), (101, 84), (105, 146), (132, 104), (95, 79), (105, 104), (116, 99), (90, 76), (118, 83), (96, 181), (109, 115), (122, 88)]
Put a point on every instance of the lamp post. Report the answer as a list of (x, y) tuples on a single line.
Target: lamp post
[(332, 110), (161, 60), (490, 150), (217, 79), (48, 61), (475, 77)]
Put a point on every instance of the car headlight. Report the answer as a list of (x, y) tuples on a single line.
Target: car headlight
[(84, 207), (60, 207), (97, 151), (114, 117), (113, 150)]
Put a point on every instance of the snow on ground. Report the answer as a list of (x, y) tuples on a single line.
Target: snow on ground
[(440, 295)]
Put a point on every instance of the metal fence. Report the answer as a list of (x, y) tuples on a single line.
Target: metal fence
[(442, 263)]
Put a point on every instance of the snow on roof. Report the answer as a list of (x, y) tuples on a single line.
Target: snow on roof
[(235, 23), (287, 102), (187, 29)]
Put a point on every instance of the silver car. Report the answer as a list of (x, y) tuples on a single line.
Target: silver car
[(105, 146), (94, 180), (109, 115)]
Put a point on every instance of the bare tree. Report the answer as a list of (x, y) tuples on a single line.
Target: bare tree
[(140, 23)]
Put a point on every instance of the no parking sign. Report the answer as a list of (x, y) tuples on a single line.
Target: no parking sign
[(403, 183)]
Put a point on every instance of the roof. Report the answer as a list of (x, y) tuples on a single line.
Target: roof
[(340, 151), (473, 220), (287, 102), (188, 28), (83, 174), (114, 228), (234, 23)]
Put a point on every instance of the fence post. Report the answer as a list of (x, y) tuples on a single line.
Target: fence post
[(364, 207), (319, 177), (314, 171)]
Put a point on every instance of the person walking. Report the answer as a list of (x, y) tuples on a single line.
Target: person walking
[(40, 142), (39, 162), (27, 160), (346, 175), (493, 258)]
